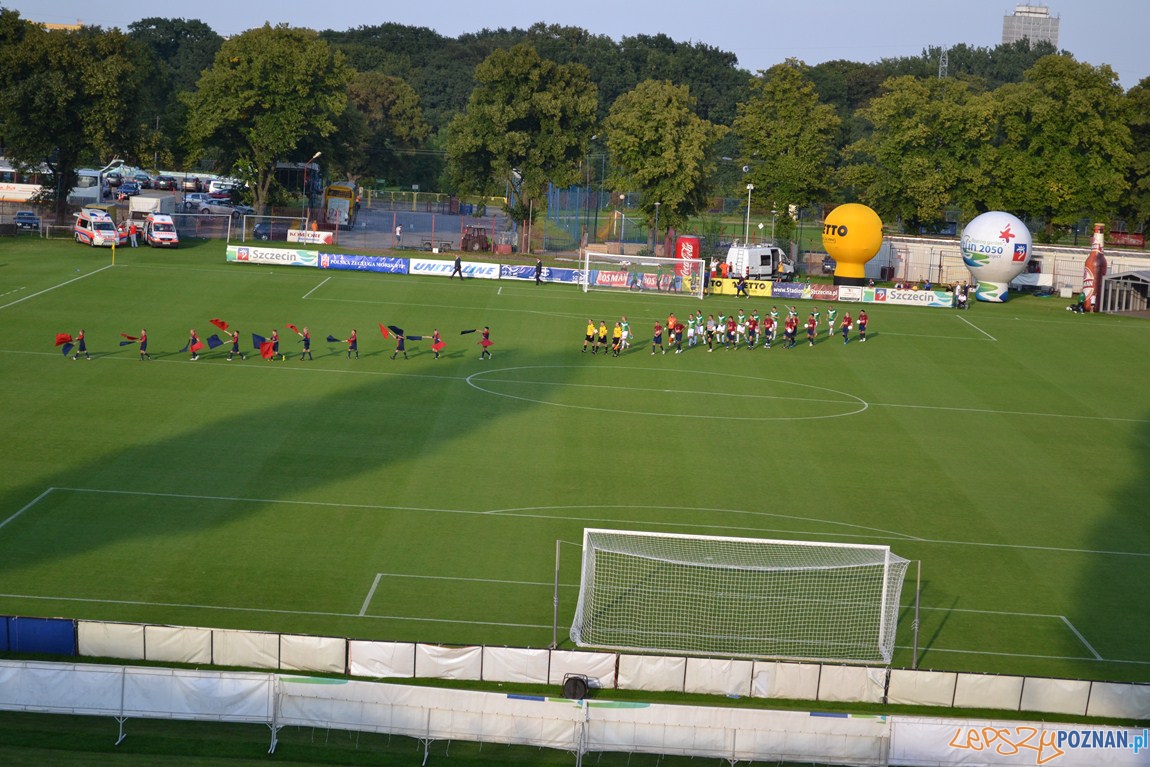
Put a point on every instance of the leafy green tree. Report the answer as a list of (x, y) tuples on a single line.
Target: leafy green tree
[(660, 148), (1136, 208), (921, 154), (383, 118), (174, 54), (68, 96), (269, 90), (787, 138), (527, 125), (1060, 148)]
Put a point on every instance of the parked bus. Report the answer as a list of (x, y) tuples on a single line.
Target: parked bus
[(20, 185), (339, 203)]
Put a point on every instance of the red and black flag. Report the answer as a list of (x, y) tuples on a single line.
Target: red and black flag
[(384, 331), (63, 338), (219, 324)]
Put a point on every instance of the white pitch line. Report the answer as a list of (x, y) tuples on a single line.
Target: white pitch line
[(989, 411), (923, 335), (317, 287), (501, 581), (690, 525), (1081, 638), (976, 327), (27, 506), (370, 594), (62, 284), (1026, 655), (226, 608)]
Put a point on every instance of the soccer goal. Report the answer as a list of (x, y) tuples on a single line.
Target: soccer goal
[(607, 271), (750, 597)]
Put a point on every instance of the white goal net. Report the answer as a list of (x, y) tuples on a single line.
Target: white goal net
[(749, 597), (607, 271)]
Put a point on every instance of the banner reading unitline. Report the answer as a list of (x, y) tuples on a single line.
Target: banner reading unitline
[(748, 597)]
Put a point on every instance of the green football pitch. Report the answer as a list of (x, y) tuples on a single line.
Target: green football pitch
[(1007, 448)]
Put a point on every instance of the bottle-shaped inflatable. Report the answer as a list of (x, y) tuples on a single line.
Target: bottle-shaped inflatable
[(1093, 272)]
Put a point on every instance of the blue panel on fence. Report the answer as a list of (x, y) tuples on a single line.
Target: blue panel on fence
[(53, 636), (4, 633)]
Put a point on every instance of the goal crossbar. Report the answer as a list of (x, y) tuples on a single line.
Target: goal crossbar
[(748, 597), (642, 274)]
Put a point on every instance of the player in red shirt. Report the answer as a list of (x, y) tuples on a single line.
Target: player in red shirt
[(752, 332), (657, 338), (862, 325), (812, 329), (732, 329), (846, 326)]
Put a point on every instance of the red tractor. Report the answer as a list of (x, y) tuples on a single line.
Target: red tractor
[(475, 239)]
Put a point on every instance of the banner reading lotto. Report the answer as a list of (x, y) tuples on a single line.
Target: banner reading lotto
[(248, 254)]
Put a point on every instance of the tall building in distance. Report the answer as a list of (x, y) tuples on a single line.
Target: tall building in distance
[(1030, 21)]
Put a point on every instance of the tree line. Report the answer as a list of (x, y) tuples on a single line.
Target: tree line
[(1016, 127)]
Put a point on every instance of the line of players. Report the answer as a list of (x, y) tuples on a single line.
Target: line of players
[(729, 331)]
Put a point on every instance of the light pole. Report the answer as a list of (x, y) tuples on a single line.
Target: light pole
[(307, 192), (622, 221), (774, 217), (747, 227), (657, 228)]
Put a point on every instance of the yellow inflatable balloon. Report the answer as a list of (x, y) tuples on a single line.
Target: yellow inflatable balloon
[(852, 235)]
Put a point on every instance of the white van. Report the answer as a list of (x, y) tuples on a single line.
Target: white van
[(160, 231), (96, 228), (759, 262)]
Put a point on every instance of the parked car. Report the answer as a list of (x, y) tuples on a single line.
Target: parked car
[(143, 179), (274, 230), (113, 178), (193, 201), (225, 208), (27, 219), (165, 182), (128, 189), (828, 265), (191, 184)]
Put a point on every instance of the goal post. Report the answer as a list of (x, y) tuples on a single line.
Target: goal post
[(746, 597), (643, 274)]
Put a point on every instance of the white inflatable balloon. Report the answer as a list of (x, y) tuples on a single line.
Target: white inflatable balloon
[(996, 247)]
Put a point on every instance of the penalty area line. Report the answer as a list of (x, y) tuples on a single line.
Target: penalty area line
[(62, 284), (29, 505), (1081, 638), (370, 594), (976, 327), (317, 287)]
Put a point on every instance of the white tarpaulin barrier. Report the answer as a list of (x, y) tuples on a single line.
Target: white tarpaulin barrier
[(652, 673), (250, 649), (921, 688), (515, 664), (598, 666), (1120, 701), (740, 734), (794, 681), (718, 676), (123, 691), (199, 695), (852, 684), (177, 644), (435, 662), (1055, 696), (96, 639), (381, 660), (309, 653), (985, 691), (431, 713)]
